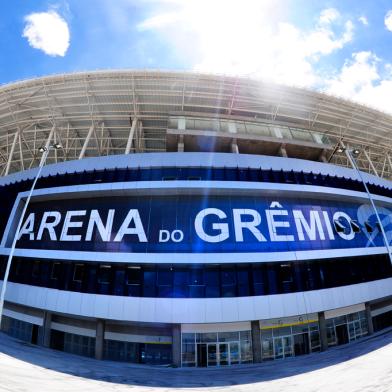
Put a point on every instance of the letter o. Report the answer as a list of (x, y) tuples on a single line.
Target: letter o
[(343, 215), (177, 233)]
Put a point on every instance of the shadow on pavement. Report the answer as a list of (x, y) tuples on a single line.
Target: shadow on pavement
[(139, 375)]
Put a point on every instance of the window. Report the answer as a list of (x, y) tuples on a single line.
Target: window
[(18, 267), (228, 283), (133, 275), (285, 273), (211, 280), (243, 282), (133, 280), (285, 277), (165, 282), (104, 274), (149, 282), (181, 281), (202, 280), (35, 270), (258, 274), (78, 272)]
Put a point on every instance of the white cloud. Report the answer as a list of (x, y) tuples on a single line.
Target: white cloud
[(247, 38), (388, 20), (47, 31), (364, 79), (363, 20), (329, 15)]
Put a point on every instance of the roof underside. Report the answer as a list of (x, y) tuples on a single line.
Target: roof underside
[(91, 114)]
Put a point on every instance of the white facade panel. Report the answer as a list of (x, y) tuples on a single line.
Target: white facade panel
[(23, 317), (73, 329), (216, 327), (382, 310), (202, 310), (124, 337), (342, 311)]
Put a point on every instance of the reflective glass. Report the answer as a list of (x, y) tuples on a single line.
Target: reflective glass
[(206, 337), (223, 354), (246, 351), (228, 336), (234, 353), (267, 347), (211, 355)]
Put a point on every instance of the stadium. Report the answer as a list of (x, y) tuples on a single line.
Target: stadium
[(192, 220)]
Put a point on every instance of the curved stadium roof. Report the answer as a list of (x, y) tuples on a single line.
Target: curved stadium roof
[(91, 114)]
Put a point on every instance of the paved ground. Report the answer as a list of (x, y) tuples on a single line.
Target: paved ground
[(363, 366)]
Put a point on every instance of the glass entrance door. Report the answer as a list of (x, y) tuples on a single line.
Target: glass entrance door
[(234, 353), (283, 347), (342, 334), (301, 343), (354, 329), (224, 354), (211, 354)]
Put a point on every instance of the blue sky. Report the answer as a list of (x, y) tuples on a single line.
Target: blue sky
[(340, 47)]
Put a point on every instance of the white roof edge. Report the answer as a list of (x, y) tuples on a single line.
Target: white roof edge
[(195, 159)]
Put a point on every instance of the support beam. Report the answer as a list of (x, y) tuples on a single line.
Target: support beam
[(99, 338), (369, 318), (46, 329), (140, 131), (383, 166), (323, 157), (176, 345), (390, 164), (234, 147), (47, 143), (256, 341), (85, 144), (20, 151), (283, 151), (370, 163), (323, 331), (10, 155), (131, 136), (180, 145)]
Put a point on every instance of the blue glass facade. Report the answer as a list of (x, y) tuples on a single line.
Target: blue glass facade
[(199, 281)]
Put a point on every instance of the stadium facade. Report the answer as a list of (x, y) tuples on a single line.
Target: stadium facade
[(190, 219)]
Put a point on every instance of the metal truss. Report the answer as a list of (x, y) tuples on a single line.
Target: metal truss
[(123, 112)]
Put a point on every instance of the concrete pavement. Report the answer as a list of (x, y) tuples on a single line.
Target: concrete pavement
[(362, 366)]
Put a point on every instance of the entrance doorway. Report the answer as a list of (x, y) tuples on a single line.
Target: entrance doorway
[(283, 347), (218, 354), (212, 354), (57, 340), (34, 334), (202, 355), (341, 334), (301, 344)]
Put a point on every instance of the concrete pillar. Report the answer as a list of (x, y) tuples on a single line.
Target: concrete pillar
[(323, 157), (234, 147), (282, 151), (256, 341), (99, 337), (181, 145), (323, 331), (176, 345), (46, 329), (369, 318)]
